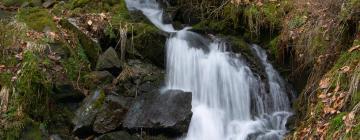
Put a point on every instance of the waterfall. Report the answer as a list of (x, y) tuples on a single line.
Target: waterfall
[(229, 101)]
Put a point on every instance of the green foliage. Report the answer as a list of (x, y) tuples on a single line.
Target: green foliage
[(346, 58), (76, 65), (336, 124), (36, 18), (253, 16), (273, 46), (33, 87)]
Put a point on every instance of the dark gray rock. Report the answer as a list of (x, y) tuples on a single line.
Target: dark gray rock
[(111, 114), (138, 78), (86, 114), (119, 135), (110, 61), (169, 111)]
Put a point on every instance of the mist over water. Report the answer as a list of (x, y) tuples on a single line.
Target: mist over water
[(229, 101)]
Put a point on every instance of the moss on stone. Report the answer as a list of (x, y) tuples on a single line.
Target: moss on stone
[(36, 18), (100, 100)]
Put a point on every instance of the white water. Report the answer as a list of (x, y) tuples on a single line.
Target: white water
[(229, 101)]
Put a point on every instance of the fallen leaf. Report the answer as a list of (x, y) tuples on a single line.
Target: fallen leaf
[(324, 83), (89, 22), (345, 69)]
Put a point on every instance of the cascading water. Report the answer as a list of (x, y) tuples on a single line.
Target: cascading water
[(229, 101)]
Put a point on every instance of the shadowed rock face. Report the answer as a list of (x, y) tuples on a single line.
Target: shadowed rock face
[(169, 111)]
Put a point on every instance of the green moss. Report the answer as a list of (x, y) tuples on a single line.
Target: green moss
[(77, 65), (100, 100), (79, 3), (33, 86), (5, 79), (272, 13), (88, 6), (336, 124), (36, 18), (346, 58), (13, 2), (319, 108), (253, 16)]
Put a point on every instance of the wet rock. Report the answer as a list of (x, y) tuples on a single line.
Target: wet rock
[(138, 77), (119, 135), (91, 46), (86, 114), (169, 111), (48, 3), (109, 61), (111, 114)]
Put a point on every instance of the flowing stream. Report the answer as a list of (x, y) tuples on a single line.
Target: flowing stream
[(229, 101)]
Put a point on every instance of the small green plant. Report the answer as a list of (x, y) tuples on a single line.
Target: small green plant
[(297, 21)]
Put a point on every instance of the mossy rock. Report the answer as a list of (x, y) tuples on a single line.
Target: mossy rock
[(149, 42), (90, 46), (37, 18)]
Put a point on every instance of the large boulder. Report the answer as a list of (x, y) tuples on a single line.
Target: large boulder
[(169, 111), (109, 61), (111, 114), (86, 114)]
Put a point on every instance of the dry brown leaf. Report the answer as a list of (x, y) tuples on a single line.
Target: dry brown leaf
[(345, 69), (322, 96), (89, 22), (349, 121), (324, 83)]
